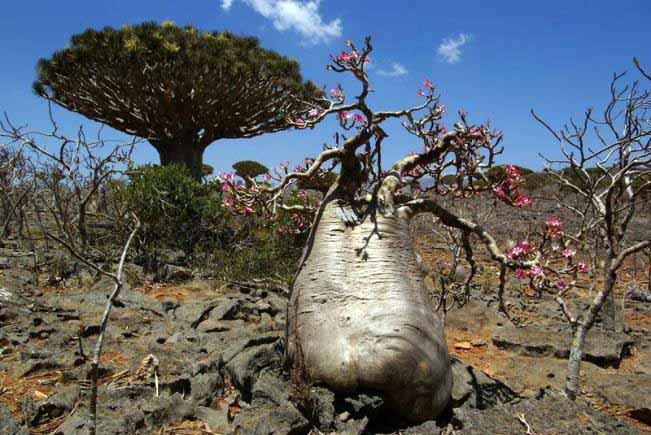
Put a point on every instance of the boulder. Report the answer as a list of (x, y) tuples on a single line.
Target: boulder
[(8, 424), (630, 391), (552, 414), (601, 348)]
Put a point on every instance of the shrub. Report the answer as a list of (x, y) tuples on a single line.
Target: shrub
[(176, 212)]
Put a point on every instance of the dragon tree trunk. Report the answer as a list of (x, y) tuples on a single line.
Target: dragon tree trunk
[(185, 153), (360, 320)]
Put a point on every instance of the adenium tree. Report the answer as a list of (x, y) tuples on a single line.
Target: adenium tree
[(605, 165), (358, 315), (180, 88)]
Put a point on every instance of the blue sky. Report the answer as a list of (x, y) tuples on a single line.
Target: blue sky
[(494, 59)]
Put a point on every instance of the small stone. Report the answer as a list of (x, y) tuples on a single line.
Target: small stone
[(39, 395), (462, 345), (478, 342), (344, 416)]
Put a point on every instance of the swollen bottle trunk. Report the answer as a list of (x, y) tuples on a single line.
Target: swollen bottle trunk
[(360, 319)]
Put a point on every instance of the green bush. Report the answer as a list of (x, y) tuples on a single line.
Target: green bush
[(176, 212)]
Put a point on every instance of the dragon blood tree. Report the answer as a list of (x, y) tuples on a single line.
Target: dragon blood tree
[(358, 316), (179, 88)]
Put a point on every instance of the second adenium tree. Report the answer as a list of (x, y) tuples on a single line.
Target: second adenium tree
[(359, 318)]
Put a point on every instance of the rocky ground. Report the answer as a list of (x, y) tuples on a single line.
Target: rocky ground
[(202, 357)]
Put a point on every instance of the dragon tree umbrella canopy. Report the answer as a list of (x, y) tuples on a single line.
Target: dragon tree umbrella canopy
[(178, 87)]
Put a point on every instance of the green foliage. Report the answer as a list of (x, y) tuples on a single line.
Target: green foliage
[(537, 180), (168, 83), (176, 211), (179, 213), (449, 179), (249, 169), (260, 251), (207, 170)]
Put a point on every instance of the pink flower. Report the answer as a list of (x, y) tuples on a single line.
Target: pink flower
[(553, 221), (582, 268), (568, 253), (298, 168), (537, 270), (561, 285), (420, 93), (359, 118), (266, 177), (226, 187), (554, 226), (512, 171), (228, 176), (347, 56), (247, 209), (313, 112), (499, 191), (343, 115), (227, 202), (280, 230), (519, 250), (523, 200), (520, 274), (428, 84), (335, 93)]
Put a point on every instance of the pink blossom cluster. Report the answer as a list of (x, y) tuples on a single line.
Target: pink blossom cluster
[(356, 117), (520, 251), (507, 190), (553, 227), (347, 56), (430, 89), (534, 271), (561, 279)]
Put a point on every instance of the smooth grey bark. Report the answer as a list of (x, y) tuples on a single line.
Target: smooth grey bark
[(610, 320), (360, 319), (583, 326), (572, 381)]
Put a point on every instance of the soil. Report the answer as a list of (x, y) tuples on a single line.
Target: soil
[(206, 357)]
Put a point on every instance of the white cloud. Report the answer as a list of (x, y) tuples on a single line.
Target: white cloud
[(301, 16), (396, 70), (450, 48)]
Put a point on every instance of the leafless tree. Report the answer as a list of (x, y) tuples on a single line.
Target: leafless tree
[(606, 163), (69, 174), (15, 186), (456, 281)]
